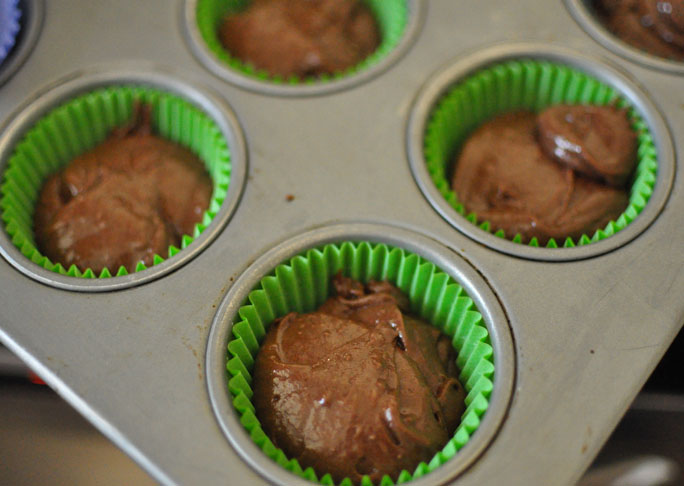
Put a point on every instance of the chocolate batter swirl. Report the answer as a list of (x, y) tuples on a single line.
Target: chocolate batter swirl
[(505, 177), (358, 387), (595, 141), (301, 37), (122, 202)]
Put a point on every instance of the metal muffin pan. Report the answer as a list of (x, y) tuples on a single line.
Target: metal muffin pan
[(586, 333)]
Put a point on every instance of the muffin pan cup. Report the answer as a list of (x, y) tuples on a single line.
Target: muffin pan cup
[(504, 79), (574, 332), (397, 20), (72, 119), (584, 14), (301, 283)]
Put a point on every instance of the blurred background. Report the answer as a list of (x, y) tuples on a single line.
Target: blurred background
[(43, 441)]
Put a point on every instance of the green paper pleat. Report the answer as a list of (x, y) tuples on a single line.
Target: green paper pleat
[(302, 284), (528, 85), (79, 125), (391, 16)]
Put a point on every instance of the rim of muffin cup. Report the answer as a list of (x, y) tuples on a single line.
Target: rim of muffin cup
[(509, 77), (295, 276), (398, 22), (65, 121), (30, 23), (584, 14)]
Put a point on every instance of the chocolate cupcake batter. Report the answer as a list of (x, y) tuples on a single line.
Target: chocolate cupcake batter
[(504, 176), (303, 38), (122, 202), (654, 26), (594, 141), (358, 387)]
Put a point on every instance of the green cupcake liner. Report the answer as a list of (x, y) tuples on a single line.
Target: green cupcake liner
[(79, 125), (528, 85), (391, 16), (303, 283)]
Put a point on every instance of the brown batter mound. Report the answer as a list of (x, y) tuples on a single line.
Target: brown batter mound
[(654, 26), (303, 38), (595, 141), (122, 202), (358, 387), (503, 176)]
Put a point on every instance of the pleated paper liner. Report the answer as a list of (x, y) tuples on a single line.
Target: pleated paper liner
[(390, 15), (302, 284), (79, 125), (528, 85), (9, 26)]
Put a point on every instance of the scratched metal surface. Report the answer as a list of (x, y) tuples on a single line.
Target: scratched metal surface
[(586, 333)]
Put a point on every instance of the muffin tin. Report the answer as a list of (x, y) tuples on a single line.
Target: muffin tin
[(575, 331)]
